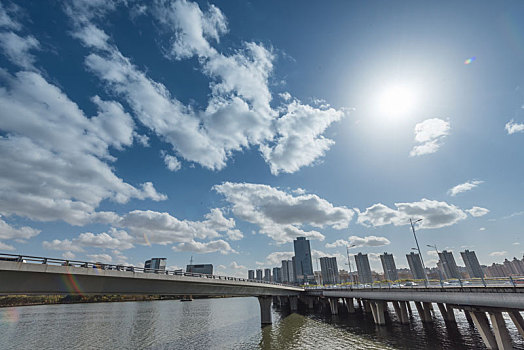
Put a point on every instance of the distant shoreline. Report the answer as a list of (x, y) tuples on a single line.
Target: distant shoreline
[(29, 300)]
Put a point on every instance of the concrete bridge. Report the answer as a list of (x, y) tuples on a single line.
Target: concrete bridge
[(41, 276), (476, 302)]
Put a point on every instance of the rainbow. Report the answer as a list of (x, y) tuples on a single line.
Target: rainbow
[(469, 60)]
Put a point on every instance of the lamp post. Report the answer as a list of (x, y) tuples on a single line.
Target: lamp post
[(349, 261), (418, 247)]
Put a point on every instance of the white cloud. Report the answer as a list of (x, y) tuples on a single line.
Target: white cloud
[(220, 246), (516, 243), (9, 232), (466, 186), (4, 246), (435, 214), (69, 255), (482, 229), (512, 127), (429, 134), (275, 258), (368, 241), (56, 159), (7, 19), (281, 215), (477, 211), (238, 114), (501, 253), (16, 48), (172, 162), (63, 245), (115, 239), (102, 258)]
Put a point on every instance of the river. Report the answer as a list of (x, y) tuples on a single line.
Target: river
[(230, 323)]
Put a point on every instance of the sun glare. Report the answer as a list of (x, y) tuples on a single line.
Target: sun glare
[(397, 101)]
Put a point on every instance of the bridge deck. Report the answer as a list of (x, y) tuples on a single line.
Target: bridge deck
[(28, 278)]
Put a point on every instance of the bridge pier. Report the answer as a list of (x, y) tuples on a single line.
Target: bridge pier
[(468, 317), (446, 312), (378, 310), (424, 311), (293, 304), (265, 310), (401, 311), (366, 307), (501, 331), (350, 305), (333, 305), (518, 321), (481, 323)]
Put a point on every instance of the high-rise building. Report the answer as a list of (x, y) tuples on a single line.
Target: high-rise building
[(510, 269), (251, 274), (518, 265), (329, 269), (363, 268), (155, 265), (415, 265), (277, 274), (259, 275), (390, 269), (287, 271), (200, 268), (448, 264), (472, 264), (303, 261), (267, 275)]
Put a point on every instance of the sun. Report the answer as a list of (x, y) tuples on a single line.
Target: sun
[(397, 100)]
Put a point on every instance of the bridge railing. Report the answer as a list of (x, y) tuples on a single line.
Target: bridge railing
[(120, 267), (486, 282)]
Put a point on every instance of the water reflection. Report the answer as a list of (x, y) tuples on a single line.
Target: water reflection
[(231, 323)]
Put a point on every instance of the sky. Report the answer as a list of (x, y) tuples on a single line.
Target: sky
[(223, 130)]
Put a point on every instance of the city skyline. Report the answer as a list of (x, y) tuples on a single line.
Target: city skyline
[(127, 132)]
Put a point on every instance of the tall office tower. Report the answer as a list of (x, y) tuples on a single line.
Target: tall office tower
[(448, 264), (277, 274), (415, 265), (510, 269), (294, 275), (472, 264), (363, 268), (251, 274), (329, 269), (259, 275), (267, 275), (284, 277), (155, 265), (518, 265), (303, 261), (390, 269)]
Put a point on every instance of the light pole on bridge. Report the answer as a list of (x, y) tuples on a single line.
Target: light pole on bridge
[(418, 247)]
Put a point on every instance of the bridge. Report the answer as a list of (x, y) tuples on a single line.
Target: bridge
[(49, 276), (41, 276)]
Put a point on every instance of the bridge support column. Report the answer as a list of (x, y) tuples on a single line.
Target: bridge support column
[(447, 312), (265, 310), (293, 304), (350, 305), (481, 322), (359, 303), (423, 311), (378, 309), (468, 317), (404, 319), (501, 332), (408, 305), (427, 311), (333, 305), (366, 307), (518, 321), (310, 303)]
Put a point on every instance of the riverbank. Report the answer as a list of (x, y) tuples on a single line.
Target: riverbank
[(24, 300)]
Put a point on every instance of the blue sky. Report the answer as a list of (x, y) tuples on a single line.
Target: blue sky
[(224, 130)]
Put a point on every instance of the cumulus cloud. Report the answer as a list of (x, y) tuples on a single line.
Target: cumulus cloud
[(7, 17), (477, 211), (429, 135), (172, 163), (6, 247), (238, 114), (63, 245), (275, 258), (466, 186), (368, 241), (435, 214), (500, 253), (512, 127), (220, 246), (281, 215), (16, 48), (9, 232), (56, 159)]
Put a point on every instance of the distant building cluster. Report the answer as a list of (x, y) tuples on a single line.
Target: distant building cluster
[(299, 269), (158, 265)]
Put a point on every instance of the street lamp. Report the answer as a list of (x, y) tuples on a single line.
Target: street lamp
[(349, 261), (418, 247)]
